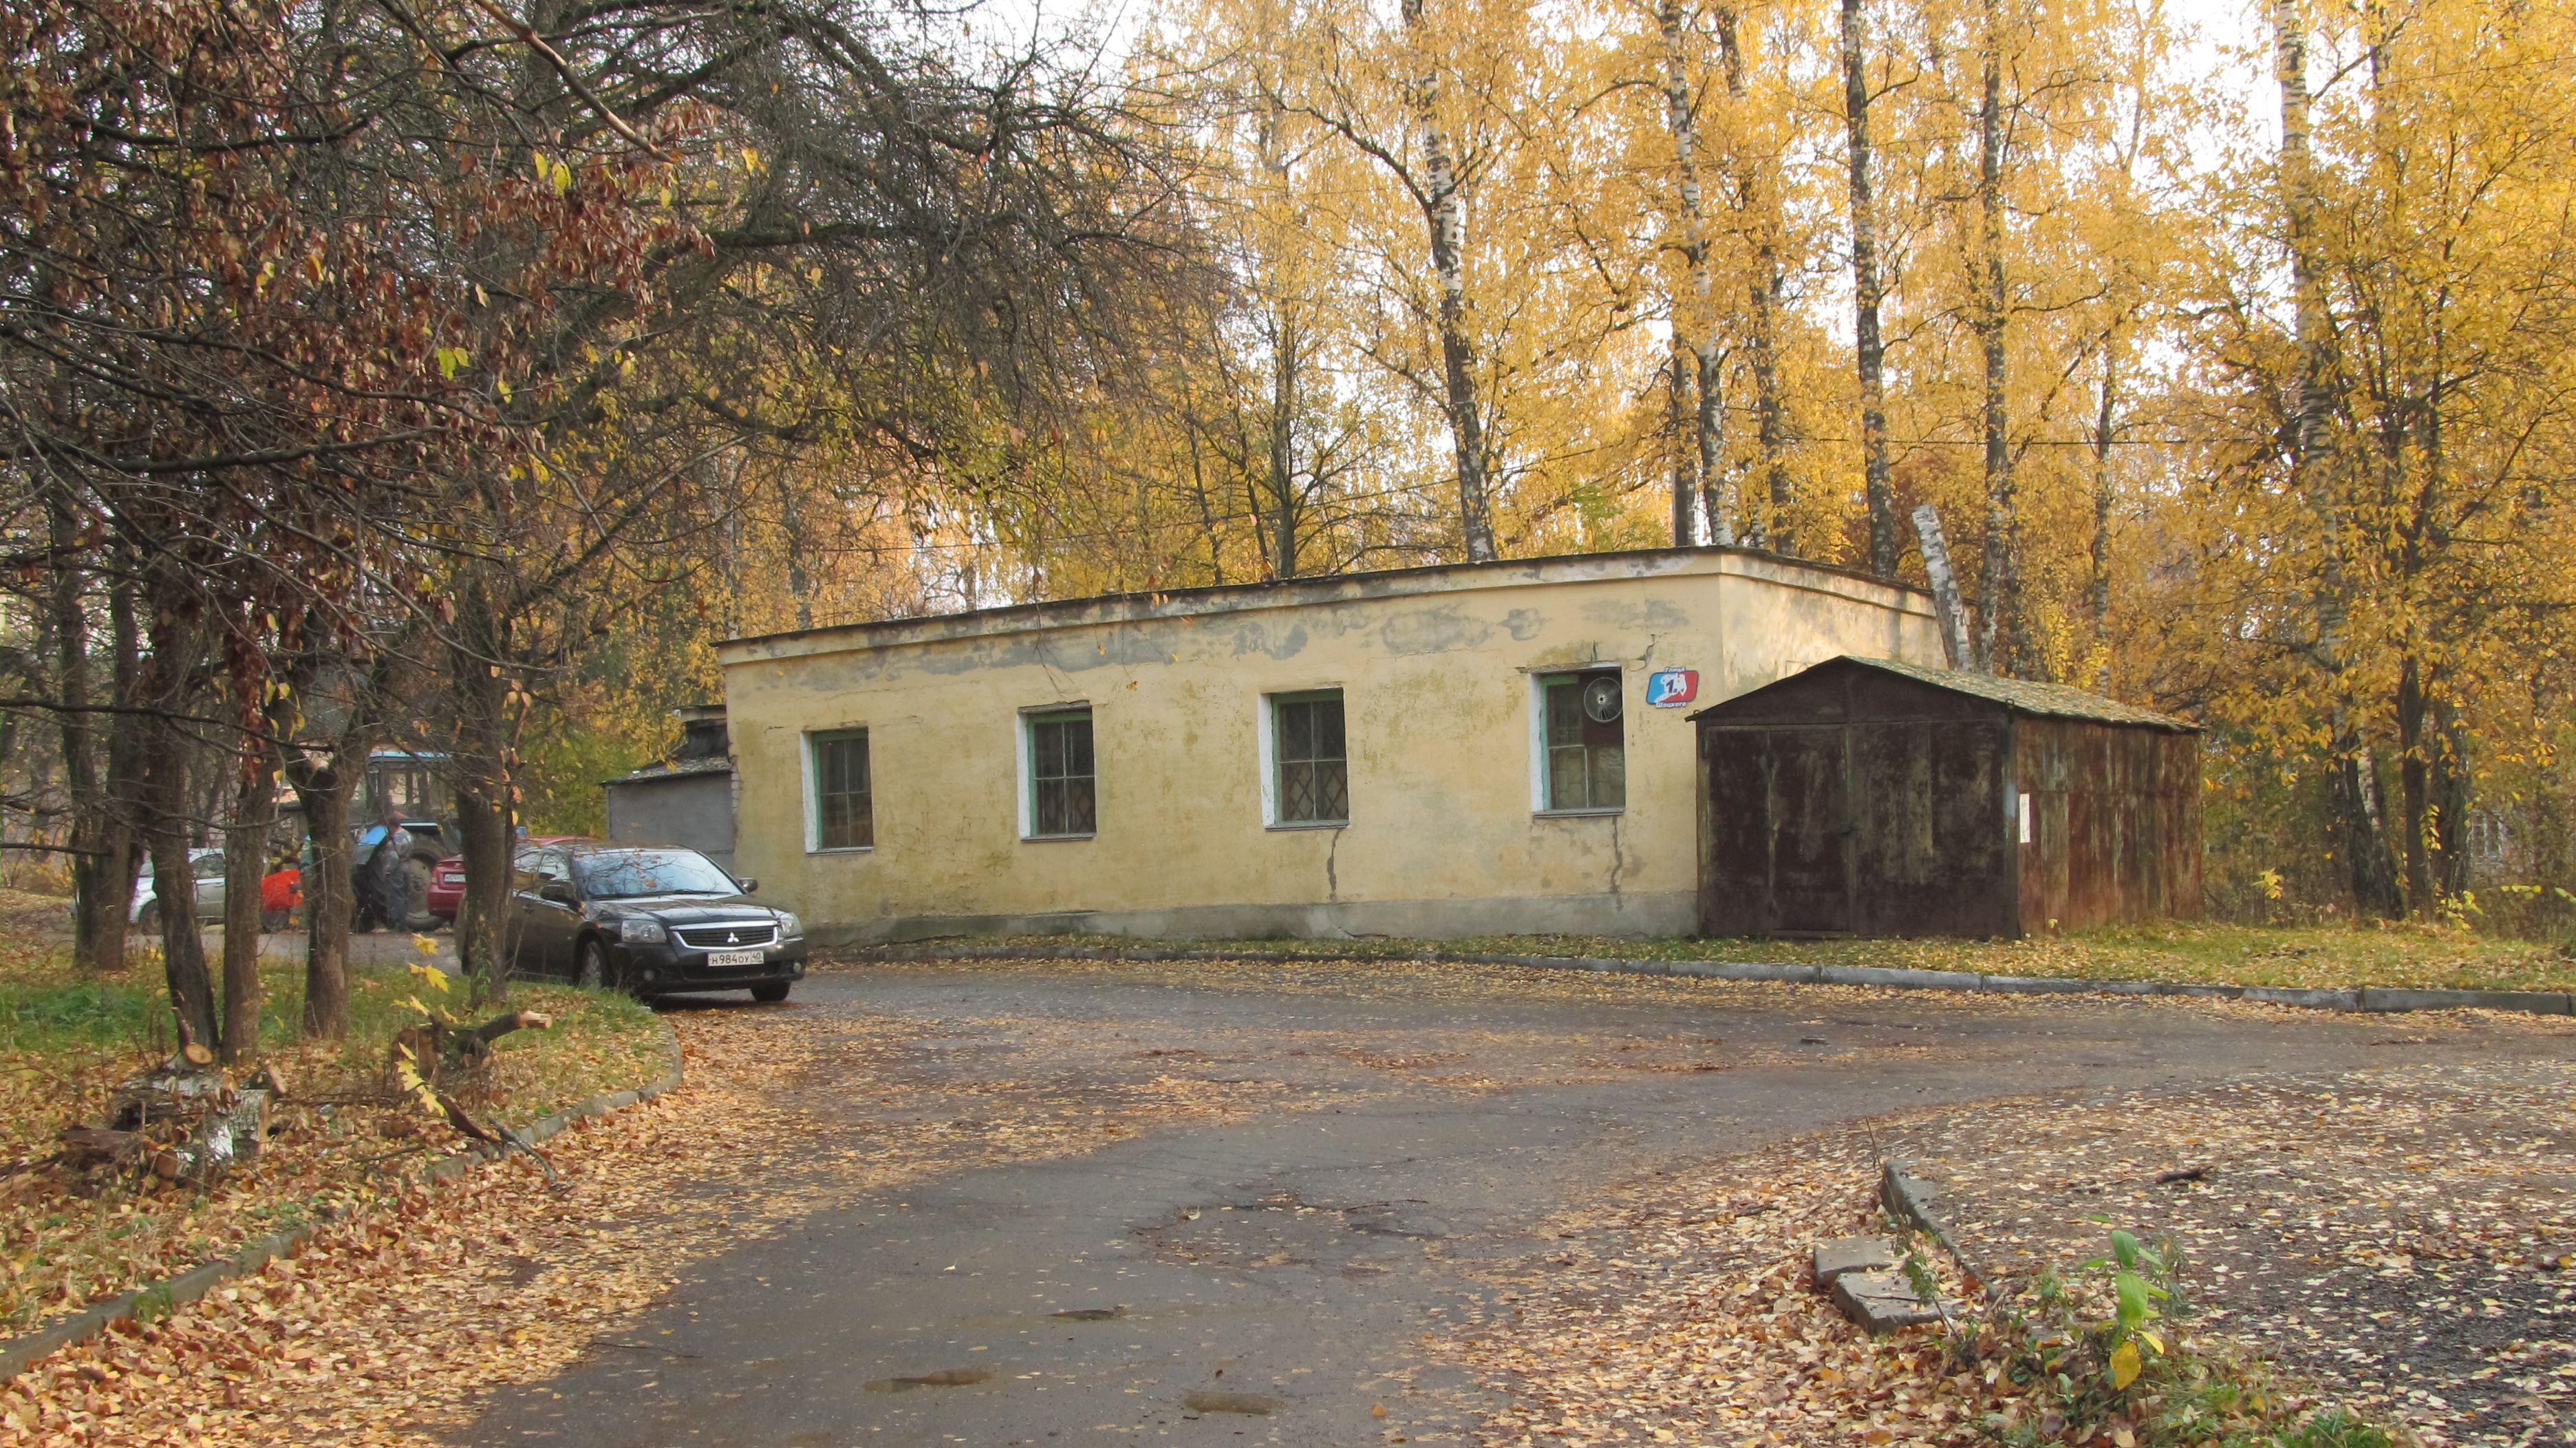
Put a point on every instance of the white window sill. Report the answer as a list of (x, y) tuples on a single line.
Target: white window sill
[(1307, 825), (1054, 839), (1574, 814), (843, 850)]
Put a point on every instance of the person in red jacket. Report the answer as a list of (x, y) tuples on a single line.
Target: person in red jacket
[(281, 894)]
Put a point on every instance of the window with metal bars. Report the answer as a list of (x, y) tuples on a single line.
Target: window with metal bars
[(1586, 740), (1311, 757), (844, 808), (1063, 799)]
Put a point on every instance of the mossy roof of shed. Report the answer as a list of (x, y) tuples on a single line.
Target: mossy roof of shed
[(2026, 695)]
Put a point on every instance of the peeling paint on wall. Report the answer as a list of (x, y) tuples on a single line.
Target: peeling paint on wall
[(1433, 630), (1262, 638)]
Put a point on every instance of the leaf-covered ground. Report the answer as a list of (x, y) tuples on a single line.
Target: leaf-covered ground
[(67, 1240), (2311, 956), (398, 1318), (2395, 1242), (1673, 1310), (2403, 1234)]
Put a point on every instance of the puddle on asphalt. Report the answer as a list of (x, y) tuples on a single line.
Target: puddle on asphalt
[(1089, 1314)]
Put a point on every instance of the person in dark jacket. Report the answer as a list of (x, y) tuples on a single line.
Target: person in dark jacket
[(384, 876)]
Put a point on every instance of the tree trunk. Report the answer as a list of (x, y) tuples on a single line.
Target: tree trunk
[(106, 850), (1275, 518), (1868, 354), (2370, 867), (1680, 431), (2414, 787), (791, 523), (92, 845), (1998, 586), (2358, 835), (1448, 258), (324, 787), (1699, 464), (483, 945), (166, 822), (2099, 594), (1286, 363), (1761, 342), (2451, 795), (479, 696), (254, 813)]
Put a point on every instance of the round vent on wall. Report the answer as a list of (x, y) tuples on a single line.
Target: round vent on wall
[(1601, 699)]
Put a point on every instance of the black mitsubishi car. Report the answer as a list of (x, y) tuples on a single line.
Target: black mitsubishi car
[(649, 919)]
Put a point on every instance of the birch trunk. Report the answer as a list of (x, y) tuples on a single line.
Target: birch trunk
[(1998, 589), (1443, 209), (1680, 427), (1761, 342), (2099, 593), (1868, 353), (1702, 461)]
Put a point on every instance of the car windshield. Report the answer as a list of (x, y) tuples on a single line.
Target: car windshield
[(627, 874)]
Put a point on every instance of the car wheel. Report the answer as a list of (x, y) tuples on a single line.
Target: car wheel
[(590, 968), (770, 994), (149, 917)]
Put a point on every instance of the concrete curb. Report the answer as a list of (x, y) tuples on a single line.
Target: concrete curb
[(169, 1295), (2373, 999)]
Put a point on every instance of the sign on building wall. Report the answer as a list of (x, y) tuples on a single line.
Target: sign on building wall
[(1672, 688)]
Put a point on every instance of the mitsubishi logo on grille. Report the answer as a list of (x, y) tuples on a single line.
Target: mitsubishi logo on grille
[(733, 937)]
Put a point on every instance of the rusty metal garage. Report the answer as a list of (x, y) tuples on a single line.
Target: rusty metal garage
[(1869, 797)]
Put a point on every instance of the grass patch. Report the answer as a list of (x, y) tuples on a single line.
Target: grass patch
[(68, 1239), (2414, 955)]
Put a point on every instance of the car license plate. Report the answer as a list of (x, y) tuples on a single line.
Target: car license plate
[(736, 957)]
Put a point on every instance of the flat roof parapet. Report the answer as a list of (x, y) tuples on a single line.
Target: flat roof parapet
[(1236, 598)]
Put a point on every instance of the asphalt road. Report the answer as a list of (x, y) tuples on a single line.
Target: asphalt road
[(1301, 1254)]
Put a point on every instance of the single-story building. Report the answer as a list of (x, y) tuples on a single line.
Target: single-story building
[(1495, 748), (687, 799), (1876, 796)]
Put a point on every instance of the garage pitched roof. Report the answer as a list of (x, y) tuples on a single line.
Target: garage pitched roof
[(2025, 695), (2028, 696)]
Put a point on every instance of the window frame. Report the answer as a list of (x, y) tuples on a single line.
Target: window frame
[(1274, 765), (1542, 792), (1030, 720), (814, 787)]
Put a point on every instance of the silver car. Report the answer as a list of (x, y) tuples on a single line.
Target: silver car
[(209, 867)]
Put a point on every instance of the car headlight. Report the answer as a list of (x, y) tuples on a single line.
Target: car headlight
[(635, 930), (789, 927)]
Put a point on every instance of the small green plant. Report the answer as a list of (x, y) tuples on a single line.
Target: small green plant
[(2103, 1359), (2133, 1297)]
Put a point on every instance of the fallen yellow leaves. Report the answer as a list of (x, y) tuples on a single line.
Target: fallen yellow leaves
[(400, 1315), (67, 1241)]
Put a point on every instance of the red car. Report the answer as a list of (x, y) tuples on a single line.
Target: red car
[(447, 879)]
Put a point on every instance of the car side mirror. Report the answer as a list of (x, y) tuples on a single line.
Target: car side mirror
[(559, 891), (746, 883)]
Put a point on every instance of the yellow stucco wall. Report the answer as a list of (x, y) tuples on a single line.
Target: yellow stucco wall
[(1435, 666)]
